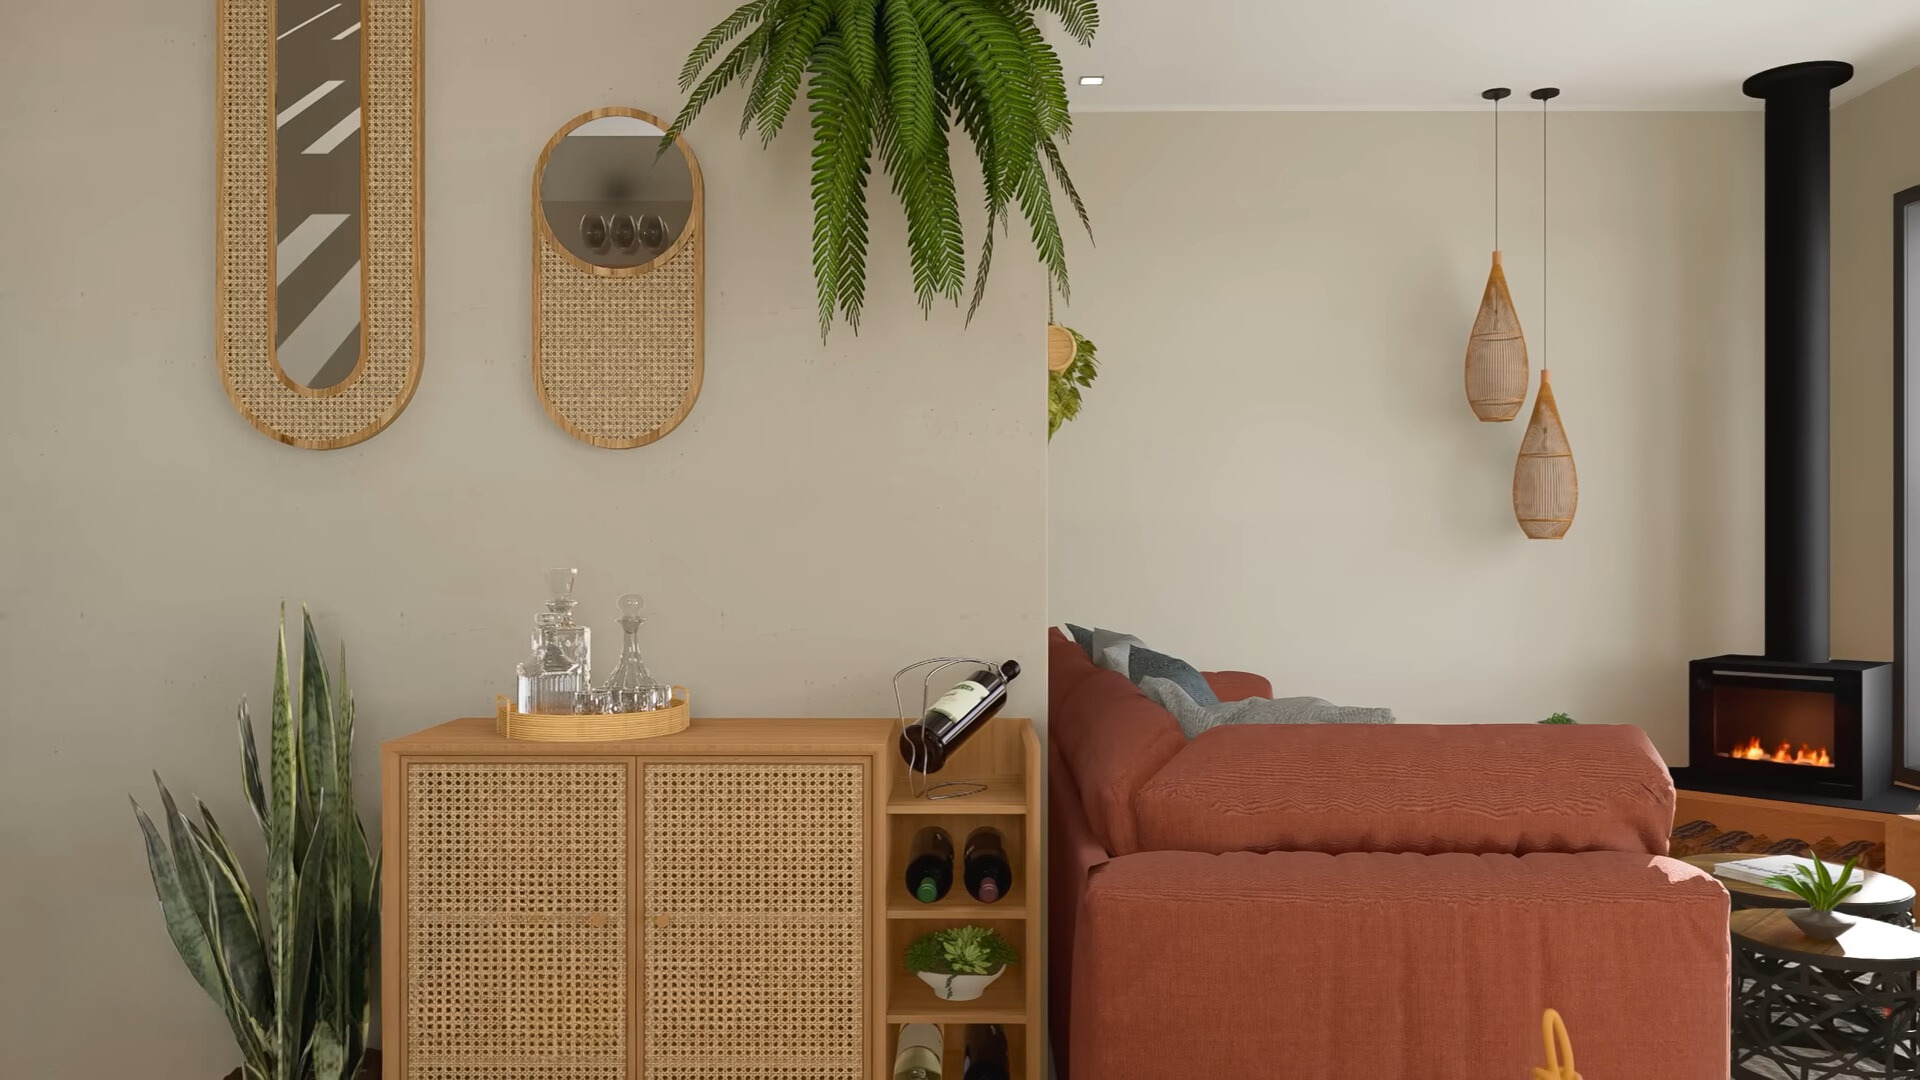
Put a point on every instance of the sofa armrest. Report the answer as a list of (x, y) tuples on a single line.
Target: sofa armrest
[(1512, 788), (1237, 685)]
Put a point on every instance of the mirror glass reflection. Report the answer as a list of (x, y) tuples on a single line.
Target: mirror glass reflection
[(316, 198), (610, 198)]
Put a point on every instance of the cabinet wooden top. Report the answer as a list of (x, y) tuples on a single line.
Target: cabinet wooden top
[(475, 735)]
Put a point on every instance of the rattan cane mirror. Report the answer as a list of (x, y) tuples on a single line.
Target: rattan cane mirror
[(618, 277), (318, 241)]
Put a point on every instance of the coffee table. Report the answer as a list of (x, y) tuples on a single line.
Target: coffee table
[(1818, 1009), (1882, 896)]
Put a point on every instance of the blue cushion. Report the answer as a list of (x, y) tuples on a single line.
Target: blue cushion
[(1144, 663)]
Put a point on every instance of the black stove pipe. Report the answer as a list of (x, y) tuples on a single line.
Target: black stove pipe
[(1798, 317)]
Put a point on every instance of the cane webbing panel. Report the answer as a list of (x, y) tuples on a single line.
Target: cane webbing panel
[(390, 272), (618, 358), (517, 921), (755, 921)]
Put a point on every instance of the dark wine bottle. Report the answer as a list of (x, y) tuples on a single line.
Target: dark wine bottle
[(954, 716), (986, 1057), (988, 871), (930, 864)]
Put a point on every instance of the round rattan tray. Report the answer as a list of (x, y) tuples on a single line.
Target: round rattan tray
[(603, 727)]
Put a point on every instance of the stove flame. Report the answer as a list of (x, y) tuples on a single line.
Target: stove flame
[(1784, 754)]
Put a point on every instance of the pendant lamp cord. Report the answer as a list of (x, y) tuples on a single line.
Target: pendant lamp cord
[(1543, 234), (1496, 174)]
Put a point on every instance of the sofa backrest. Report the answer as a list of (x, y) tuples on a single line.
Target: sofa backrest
[(1480, 788)]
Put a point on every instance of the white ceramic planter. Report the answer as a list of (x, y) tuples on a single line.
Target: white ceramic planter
[(959, 987)]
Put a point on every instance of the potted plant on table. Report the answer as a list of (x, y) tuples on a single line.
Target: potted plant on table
[(960, 962), (1823, 891), (291, 966)]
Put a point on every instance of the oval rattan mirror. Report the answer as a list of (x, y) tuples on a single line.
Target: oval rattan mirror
[(617, 279), (318, 242)]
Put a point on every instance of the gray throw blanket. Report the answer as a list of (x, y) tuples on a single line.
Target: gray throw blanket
[(1195, 719)]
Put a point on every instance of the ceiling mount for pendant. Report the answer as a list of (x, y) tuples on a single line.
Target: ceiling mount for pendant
[(1545, 94)]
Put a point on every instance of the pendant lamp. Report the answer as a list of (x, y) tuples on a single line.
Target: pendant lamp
[(1496, 350), (1546, 488)]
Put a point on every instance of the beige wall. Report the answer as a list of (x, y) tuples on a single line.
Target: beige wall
[(1277, 469), (1875, 155), (825, 515)]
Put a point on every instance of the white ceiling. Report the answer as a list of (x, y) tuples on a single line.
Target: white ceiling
[(1439, 54)]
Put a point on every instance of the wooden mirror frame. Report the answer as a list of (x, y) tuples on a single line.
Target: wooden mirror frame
[(619, 352), (391, 323)]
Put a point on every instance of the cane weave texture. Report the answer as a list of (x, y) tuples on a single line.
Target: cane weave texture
[(517, 921), (378, 389), (617, 358), (755, 951)]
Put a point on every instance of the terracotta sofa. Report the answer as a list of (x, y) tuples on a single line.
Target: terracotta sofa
[(1369, 901)]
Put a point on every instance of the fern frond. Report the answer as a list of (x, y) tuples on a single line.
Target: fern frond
[(909, 71), (723, 74), (1065, 181), (859, 24), (842, 121), (1079, 18), (709, 47), (779, 83), (924, 185)]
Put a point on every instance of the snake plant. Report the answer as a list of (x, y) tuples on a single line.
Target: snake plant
[(890, 78), (292, 969)]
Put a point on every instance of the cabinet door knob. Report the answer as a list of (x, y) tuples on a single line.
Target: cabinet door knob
[(596, 920), (660, 921)]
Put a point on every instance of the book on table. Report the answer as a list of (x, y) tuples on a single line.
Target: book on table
[(1756, 871)]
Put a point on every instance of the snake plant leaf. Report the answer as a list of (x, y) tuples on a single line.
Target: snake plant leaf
[(300, 935), (283, 815), (182, 914), (215, 838), (328, 1053), (236, 939), (320, 767), (180, 839), (250, 769)]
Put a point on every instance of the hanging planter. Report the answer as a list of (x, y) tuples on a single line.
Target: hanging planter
[(1546, 487), (1496, 367), (1065, 383), (890, 78), (1062, 343)]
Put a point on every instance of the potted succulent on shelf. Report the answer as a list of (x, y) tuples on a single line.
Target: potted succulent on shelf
[(291, 965), (960, 962), (1823, 892)]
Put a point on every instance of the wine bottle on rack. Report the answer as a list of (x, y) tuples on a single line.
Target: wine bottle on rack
[(988, 871), (930, 864), (986, 1057), (955, 715), (919, 1054)]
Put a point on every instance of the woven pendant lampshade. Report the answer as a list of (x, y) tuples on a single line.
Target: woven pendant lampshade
[(1496, 368), (1546, 487)]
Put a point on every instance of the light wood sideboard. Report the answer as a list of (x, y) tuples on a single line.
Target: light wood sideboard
[(724, 902)]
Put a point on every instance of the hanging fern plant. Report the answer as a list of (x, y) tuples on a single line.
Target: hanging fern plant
[(891, 78), (1064, 386)]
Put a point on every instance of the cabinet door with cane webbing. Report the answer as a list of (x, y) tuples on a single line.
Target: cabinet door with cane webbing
[(754, 953), (517, 926)]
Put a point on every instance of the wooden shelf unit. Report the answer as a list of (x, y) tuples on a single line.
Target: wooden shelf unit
[(606, 848), (1006, 755)]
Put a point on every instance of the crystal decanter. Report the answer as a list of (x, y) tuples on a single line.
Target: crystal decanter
[(631, 687), (553, 677)]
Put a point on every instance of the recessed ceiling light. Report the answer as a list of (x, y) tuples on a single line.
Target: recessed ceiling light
[(1092, 80)]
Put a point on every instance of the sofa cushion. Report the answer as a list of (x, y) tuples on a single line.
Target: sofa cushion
[(1512, 788), (1365, 965), (1082, 637), (1144, 663), (1113, 740), (1195, 716)]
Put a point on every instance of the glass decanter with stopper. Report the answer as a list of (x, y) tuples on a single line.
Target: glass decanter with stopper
[(553, 677), (631, 687)]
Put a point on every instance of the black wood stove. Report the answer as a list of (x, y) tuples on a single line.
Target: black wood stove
[(1795, 721)]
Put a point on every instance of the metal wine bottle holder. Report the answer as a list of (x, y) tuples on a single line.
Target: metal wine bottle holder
[(949, 789)]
